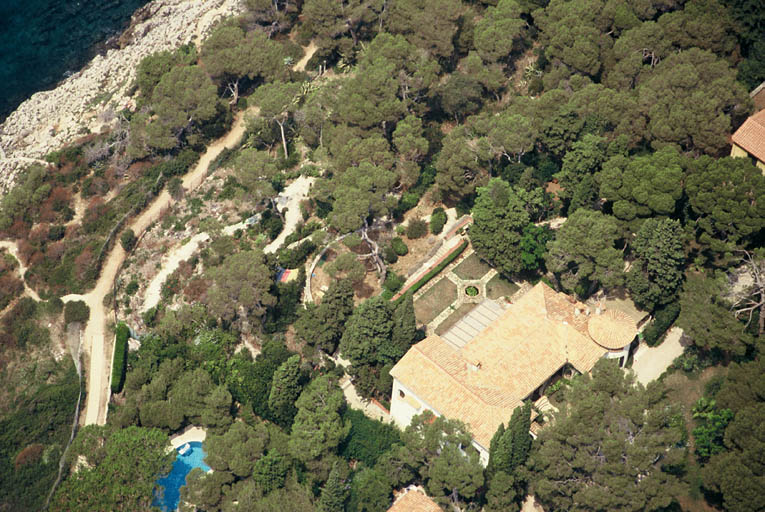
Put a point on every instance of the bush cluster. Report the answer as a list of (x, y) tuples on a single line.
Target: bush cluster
[(294, 258), (393, 282)]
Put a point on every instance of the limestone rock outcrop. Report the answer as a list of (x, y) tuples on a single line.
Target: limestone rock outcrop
[(51, 119)]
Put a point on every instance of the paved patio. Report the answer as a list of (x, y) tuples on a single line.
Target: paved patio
[(650, 362)]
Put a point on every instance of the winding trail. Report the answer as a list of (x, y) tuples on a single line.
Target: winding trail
[(288, 199), (98, 342)]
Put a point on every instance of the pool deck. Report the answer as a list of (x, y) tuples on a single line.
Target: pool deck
[(187, 436)]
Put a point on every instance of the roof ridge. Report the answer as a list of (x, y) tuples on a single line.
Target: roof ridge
[(469, 389)]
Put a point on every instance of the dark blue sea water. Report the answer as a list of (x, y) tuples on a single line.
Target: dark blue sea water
[(42, 40)]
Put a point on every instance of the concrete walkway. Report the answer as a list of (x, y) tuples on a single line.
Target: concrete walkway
[(370, 408), (189, 435), (650, 362)]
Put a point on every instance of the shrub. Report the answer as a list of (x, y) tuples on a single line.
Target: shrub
[(128, 240), (119, 365), (56, 232), (437, 220), (417, 228), (131, 287), (352, 241), (76, 311), (399, 246), (389, 255), (393, 282), (663, 320), (293, 258)]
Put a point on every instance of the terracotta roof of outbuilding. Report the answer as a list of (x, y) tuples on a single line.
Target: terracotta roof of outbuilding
[(751, 136), (483, 382), (414, 500)]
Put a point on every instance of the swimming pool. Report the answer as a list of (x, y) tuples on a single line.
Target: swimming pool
[(173, 482)]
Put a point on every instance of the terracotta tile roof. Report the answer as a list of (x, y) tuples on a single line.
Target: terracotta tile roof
[(414, 500), (483, 382), (751, 136)]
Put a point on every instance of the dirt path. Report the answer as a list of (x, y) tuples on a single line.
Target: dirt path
[(308, 53), (170, 263), (14, 251), (290, 199), (98, 342)]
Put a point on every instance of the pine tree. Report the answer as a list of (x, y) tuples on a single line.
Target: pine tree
[(334, 493), (510, 446), (404, 323), (285, 388), (323, 325), (491, 466), (519, 426)]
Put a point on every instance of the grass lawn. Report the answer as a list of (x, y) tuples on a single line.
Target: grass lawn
[(435, 300), (499, 287), (455, 317), (472, 268)]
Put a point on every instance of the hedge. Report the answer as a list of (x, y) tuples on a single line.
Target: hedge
[(119, 365), (435, 270), (662, 320)]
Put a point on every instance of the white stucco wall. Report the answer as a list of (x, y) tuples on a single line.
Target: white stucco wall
[(402, 411)]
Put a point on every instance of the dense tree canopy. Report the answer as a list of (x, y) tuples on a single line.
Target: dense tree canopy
[(610, 448), (112, 480), (499, 220), (583, 251)]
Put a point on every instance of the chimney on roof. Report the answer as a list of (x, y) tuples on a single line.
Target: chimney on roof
[(577, 312), (474, 365)]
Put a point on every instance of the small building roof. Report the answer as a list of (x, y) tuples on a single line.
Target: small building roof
[(414, 500), (612, 329), (482, 382), (751, 136)]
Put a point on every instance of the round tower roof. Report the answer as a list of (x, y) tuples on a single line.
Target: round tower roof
[(612, 329)]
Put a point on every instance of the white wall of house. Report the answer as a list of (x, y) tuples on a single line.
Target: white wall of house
[(615, 354), (402, 405), (405, 405)]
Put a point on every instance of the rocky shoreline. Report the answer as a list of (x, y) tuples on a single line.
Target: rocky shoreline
[(51, 119)]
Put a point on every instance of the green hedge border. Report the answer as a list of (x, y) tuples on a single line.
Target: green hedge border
[(432, 273), (119, 365)]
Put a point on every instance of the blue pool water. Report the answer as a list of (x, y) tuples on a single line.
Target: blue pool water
[(173, 482)]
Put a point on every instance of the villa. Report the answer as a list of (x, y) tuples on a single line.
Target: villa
[(543, 336)]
